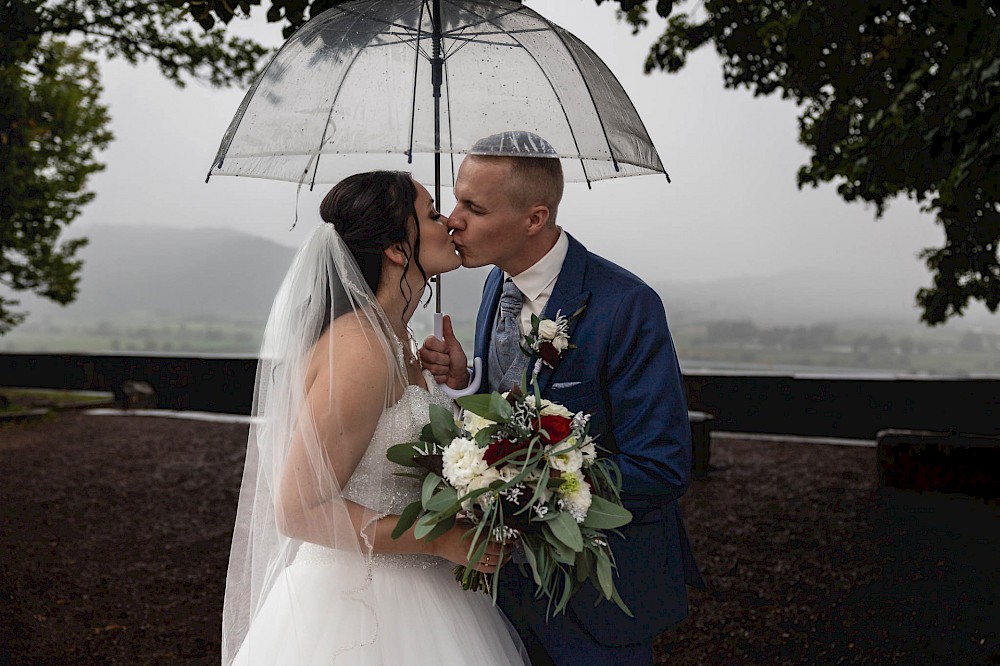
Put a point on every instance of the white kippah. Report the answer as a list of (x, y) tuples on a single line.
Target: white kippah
[(514, 143)]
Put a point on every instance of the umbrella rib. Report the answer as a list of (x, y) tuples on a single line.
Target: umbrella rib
[(227, 139), (451, 137), (329, 115), (614, 160), (416, 63), (555, 92)]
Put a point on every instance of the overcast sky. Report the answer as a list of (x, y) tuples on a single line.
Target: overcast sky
[(733, 209)]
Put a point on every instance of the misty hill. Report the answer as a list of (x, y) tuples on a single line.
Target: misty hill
[(172, 273), (177, 274)]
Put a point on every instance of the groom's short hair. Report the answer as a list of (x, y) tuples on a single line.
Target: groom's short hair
[(534, 170)]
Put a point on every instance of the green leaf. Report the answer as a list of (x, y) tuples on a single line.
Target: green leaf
[(584, 566), (442, 499), (427, 434), (430, 485), (567, 591), (476, 550), (484, 436), (443, 424), (529, 555), (604, 515), (428, 530), (500, 407), (402, 454), (621, 604), (406, 519), (560, 551), (604, 576), (565, 529)]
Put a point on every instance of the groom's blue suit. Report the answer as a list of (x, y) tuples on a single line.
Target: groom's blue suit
[(624, 372)]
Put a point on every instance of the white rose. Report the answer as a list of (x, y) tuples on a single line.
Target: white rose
[(565, 460), (561, 342), (462, 462), (551, 408), (483, 481), (473, 423), (547, 329)]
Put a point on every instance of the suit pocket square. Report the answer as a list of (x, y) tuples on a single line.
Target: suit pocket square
[(562, 385)]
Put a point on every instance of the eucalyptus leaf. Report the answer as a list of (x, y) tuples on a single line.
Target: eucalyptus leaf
[(406, 519), (621, 604), (427, 530), (567, 591), (604, 575), (443, 424), (486, 406), (427, 434), (430, 485), (485, 435), (500, 407), (402, 454), (584, 566), (442, 499), (529, 556), (565, 529), (604, 515), (560, 551)]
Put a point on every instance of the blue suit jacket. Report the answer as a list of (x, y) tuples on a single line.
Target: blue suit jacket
[(624, 372)]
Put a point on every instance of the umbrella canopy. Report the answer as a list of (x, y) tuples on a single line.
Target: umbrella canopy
[(418, 79)]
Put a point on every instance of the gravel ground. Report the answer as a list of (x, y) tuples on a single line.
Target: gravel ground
[(114, 537)]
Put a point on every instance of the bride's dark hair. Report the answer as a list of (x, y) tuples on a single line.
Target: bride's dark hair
[(370, 212)]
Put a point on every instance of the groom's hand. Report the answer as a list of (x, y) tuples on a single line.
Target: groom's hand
[(445, 359)]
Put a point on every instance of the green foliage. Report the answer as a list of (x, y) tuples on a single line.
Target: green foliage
[(897, 98), (52, 123)]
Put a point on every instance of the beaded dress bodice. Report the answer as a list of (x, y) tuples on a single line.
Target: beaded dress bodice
[(374, 483)]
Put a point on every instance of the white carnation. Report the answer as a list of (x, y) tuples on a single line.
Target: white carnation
[(547, 329), (565, 459), (561, 342), (575, 495), (462, 462)]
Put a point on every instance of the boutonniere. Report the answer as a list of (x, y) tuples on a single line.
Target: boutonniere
[(549, 339)]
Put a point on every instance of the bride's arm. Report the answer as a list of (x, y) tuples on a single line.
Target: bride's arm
[(342, 408)]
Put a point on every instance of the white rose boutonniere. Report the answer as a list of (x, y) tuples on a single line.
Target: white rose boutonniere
[(549, 338)]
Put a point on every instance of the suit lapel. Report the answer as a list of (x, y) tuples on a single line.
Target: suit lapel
[(484, 321), (568, 296)]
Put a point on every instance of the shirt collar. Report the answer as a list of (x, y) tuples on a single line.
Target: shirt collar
[(533, 281)]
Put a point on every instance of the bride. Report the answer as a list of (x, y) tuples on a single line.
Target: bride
[(315, 576)]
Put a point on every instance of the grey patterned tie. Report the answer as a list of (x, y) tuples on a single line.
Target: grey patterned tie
[(507, 361)]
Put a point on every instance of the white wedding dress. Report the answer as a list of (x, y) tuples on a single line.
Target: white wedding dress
[(421, 615)]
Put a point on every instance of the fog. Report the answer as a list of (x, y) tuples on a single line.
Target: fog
[(731, 237)]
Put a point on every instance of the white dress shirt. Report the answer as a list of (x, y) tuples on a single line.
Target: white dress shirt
[(537, 282)]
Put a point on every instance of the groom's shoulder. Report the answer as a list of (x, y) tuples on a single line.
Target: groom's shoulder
[(606, 276)]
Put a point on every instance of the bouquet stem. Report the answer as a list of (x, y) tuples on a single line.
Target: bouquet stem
[(470, 579)]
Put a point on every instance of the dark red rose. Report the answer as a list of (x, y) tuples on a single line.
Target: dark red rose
[(549, 353), (556, 427), (502, 448)]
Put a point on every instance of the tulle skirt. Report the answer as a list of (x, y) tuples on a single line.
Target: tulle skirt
[(412, 612)]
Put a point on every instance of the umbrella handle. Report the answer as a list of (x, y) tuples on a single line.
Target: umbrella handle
[(476, 376)]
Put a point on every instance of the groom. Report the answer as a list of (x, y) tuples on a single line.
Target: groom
[(623, 371)]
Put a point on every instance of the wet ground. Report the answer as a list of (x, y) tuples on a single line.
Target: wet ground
[(114, 538)]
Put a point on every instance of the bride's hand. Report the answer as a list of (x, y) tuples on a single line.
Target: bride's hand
[(454, 545)]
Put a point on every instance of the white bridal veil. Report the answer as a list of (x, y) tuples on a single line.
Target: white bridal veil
[(291, 495)]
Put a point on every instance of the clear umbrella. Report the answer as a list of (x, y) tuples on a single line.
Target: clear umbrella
[(414, 80)]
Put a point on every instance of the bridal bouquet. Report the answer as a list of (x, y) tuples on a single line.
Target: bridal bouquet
[(522, 471)]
